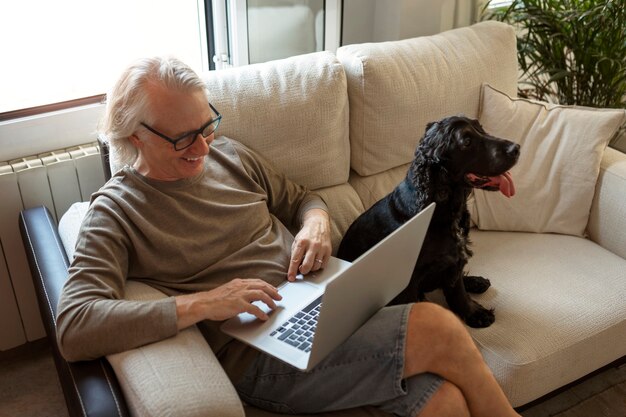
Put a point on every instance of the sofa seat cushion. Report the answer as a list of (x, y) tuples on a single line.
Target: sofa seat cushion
[(560, 309)]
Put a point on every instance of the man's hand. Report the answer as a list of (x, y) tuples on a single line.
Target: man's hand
[(311, 247), (226, 301)]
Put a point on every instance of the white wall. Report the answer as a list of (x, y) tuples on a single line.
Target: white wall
[(358, 21), (49, 131), (387, 20)]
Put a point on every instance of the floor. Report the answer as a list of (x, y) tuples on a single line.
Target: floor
[(28, 383), (603, 395), (29, 388)]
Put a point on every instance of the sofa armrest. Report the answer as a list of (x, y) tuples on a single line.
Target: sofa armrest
[(607, 220), (90, 388), (132, 382), (177, 376)]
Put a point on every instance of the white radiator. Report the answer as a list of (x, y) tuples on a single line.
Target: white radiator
[(54, 179)]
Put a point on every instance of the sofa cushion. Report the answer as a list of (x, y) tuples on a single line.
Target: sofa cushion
[(69, 225), (556, 175), (560, 309), (374, 187), (395, 88), (344, 206), (293, 111)]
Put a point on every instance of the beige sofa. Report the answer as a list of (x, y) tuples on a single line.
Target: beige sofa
[(346, 125)]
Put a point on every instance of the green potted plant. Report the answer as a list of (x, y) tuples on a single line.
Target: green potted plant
[(569, 51)]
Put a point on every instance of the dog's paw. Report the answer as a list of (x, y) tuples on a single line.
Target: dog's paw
[(476, 285), (480, 318)]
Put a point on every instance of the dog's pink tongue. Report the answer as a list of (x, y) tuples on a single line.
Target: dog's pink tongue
[(505, 183)]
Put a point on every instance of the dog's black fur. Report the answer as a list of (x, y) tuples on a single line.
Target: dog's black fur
[(450, 149)]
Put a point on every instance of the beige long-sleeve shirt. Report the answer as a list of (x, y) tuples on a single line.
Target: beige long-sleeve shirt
[(182, 236)]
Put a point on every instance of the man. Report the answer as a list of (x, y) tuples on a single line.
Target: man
[(206, 220)]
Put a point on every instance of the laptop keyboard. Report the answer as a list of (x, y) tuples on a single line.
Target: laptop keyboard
[(298, 331)]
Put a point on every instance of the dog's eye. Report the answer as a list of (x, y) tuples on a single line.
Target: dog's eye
[(466, 141)]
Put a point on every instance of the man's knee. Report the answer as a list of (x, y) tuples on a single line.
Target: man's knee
[(436, 324), (433, 311), (434, 334), (448, 401)]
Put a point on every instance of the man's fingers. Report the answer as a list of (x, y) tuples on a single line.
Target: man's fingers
[(261, 296), (262, 292), (318, 263), (298, 250), (255, 284), (307, 263), (273, 292), (293, 269), (256, 311)]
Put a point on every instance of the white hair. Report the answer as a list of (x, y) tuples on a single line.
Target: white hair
[(127, 104)]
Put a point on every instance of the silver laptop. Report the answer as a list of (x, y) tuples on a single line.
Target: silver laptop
[(321, 310)]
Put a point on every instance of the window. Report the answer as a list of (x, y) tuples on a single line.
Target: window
[(499, 3), (280, 31), (253, 31), (60, 50)]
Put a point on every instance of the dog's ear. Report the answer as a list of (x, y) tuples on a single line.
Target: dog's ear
[(433, 145), (477, 126)]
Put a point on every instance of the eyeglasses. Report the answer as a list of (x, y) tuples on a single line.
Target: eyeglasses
[(188, 139)]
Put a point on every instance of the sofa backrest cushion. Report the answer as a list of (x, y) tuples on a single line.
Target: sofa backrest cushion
[(293, 111), (396, 88)]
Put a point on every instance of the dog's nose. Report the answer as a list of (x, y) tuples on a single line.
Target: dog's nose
[(513, 150)]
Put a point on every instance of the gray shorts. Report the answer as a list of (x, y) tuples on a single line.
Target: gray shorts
[(365, 370)]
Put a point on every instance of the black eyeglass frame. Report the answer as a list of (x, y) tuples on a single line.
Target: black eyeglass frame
[(195, 133)]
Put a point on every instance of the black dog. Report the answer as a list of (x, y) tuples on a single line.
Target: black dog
[(454, 155)]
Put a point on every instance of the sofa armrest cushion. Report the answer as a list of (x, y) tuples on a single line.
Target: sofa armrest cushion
[(396, 88), (607, 221), (177, 376)]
